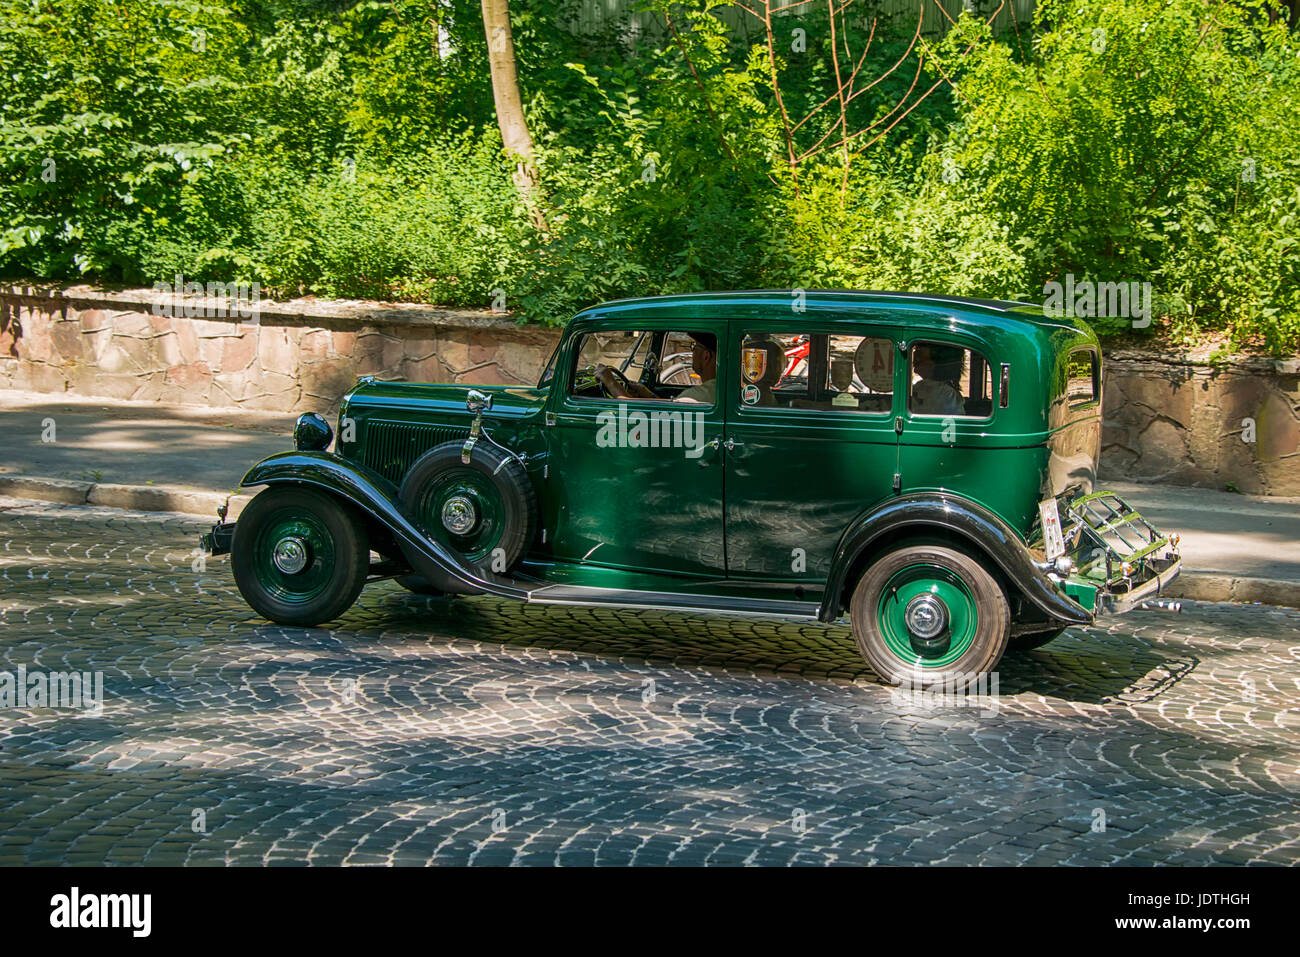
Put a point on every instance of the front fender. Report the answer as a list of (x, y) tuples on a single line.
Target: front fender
[(954, 515), (373, 494)]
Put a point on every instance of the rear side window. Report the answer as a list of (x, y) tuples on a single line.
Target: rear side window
[(1082, 378), (817, 371), (949, 380)]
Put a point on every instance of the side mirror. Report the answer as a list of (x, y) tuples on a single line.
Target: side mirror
[(478, 402)]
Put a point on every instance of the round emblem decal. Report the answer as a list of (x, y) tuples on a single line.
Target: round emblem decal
[(749, 395), (874, 363)]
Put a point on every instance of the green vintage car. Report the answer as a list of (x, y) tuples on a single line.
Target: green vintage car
[(924, 464)]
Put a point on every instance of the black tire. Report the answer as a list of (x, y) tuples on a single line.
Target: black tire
[(1033, 640), (332, 538), (502, 502), (978, 624)]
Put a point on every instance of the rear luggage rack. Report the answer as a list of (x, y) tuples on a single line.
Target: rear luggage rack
[(1109, 522), (1115, 546)]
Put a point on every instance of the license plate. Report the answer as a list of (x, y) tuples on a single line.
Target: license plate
[(1053, 539)]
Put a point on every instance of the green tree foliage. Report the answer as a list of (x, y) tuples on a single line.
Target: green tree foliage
[(348, 148)]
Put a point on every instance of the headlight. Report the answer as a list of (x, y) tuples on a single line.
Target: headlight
[(311, 433)]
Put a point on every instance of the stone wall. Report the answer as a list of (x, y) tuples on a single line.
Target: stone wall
[(295, 356), (1232, 424), (1169, 420)]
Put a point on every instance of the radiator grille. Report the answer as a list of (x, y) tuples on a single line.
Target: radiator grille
[(393, 447)]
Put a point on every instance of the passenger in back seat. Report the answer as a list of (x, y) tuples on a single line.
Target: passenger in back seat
[(940, 369)]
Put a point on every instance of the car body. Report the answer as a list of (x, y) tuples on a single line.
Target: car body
[(926, 464)]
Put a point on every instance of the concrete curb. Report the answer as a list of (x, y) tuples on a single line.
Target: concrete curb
[(144, 498), (1193, 586), (1213, 586)]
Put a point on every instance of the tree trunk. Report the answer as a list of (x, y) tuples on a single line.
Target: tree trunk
[(505, 92)]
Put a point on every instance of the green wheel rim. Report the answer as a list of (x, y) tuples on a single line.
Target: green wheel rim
[(305, 527), (963, 615), (478, 542)]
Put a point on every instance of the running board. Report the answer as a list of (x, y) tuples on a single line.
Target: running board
[(670, 601)]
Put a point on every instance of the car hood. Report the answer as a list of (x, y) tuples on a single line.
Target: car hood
[(442, 399)]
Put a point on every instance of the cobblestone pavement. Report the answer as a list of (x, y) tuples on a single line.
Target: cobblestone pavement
[(479, 731)]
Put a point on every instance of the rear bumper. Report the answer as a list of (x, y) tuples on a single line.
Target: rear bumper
[(1118, 603)]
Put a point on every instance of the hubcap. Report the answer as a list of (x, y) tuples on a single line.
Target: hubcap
[(293, 555), (459, 515), (926, 616), (290, 555), (463, 509)]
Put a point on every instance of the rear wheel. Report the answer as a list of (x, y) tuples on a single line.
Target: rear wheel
[(299, 556), (927, 614)]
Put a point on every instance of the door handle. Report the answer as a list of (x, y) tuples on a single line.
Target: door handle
[(714, 442), (731, 445)]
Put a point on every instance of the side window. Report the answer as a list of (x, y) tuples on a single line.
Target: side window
[(820, 372), (773, 368), (949, 380), (618, 349), (1082, 378), (860, 373), (656, 365)]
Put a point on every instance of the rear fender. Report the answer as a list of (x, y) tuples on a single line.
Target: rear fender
[(950, 515)]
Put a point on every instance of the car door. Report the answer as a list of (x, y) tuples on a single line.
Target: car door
[(809, 449), (638, 482)]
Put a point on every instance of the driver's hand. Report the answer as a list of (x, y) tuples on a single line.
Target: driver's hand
[(605, 376)]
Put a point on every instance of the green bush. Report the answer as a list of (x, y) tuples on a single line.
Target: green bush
[(1145, 140), (441, 227), (349, 149)]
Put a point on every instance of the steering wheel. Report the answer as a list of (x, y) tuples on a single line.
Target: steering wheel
[(623, 380), (584, 379)]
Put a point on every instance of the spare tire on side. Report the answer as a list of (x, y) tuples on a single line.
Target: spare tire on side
[(484, 510)]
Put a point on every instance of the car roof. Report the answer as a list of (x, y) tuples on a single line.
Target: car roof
[(920, 310), (853, 296)]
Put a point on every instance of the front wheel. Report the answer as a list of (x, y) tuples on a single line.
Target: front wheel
[(299, 556), (925, 615)]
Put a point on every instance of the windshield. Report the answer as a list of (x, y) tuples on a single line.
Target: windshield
[(549, 372)]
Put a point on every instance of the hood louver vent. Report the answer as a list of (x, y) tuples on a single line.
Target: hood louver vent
[(392, 447)]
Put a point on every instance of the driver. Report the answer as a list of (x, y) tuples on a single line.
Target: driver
[(704, 362)]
